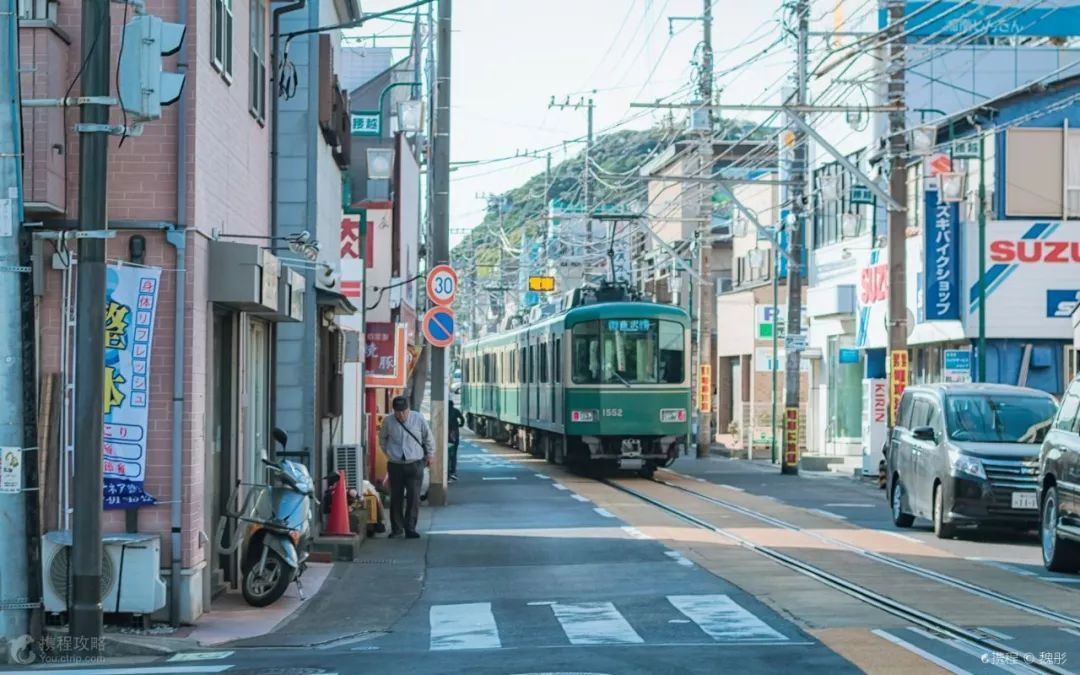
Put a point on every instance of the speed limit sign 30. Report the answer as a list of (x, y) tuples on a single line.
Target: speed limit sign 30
[(442, 285)]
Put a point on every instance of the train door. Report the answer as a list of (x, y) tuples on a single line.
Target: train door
[(557, 389)]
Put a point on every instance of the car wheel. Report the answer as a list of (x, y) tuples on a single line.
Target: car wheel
[(1059, 555), (942, 530), (899, 518)]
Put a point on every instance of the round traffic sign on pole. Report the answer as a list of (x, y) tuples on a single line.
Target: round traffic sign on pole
[(442, 284), (438, 326)]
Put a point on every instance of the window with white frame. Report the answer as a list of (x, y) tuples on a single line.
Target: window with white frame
[(257, 70), (221, 31)]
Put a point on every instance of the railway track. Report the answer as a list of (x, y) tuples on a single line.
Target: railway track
[(973, 639)]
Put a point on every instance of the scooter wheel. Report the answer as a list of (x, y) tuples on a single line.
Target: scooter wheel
[(265, 589)]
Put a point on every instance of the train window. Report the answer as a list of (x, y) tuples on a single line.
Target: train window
[(585, 348), (672, 357), (630, 353), (544, 362), (558, 360)]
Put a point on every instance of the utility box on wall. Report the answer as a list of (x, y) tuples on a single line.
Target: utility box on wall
[(244, 276)]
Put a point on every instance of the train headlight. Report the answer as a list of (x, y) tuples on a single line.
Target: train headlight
[(583, 416), (673, 415)]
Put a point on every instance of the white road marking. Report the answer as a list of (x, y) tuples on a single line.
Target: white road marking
[(604, 513), (918, 651), (200, 656), (594, 623), (828, 514), (722, 618), (559, 486), (994, 633), (731, 487), (545, 477), (905, 537), (1005, 566), (465, 626), (679, 558), (1061, 580), (131, 671), (580, 498), (635, 533), (500, 478)]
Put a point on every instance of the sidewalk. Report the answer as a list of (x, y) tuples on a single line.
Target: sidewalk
[(230, 619)]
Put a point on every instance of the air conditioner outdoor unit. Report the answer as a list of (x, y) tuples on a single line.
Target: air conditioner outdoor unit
[(349, 459), (130, 573)]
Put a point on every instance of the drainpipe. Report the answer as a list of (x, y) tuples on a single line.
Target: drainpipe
[(177, 237), (275, 30)]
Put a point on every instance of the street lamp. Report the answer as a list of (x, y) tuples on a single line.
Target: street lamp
[(411, 116), (951, 186), (380, 163), (755, 257), (829, 187), (923, 140), (849, 225)]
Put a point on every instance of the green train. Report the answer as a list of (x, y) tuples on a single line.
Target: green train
[(596, 386)]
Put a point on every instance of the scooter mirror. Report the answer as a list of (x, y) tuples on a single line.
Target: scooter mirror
[(280, 436)]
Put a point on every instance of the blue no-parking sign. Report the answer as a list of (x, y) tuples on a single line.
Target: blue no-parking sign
[(439, 326)]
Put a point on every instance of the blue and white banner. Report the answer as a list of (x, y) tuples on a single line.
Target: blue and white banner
[(994, 18), (131, 296), (941, 257)]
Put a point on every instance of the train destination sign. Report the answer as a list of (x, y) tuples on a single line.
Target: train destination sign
[(542, 284)]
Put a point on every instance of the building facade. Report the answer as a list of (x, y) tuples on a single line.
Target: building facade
[(189, 202)]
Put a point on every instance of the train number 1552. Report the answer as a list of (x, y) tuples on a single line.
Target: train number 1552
[(613, 412)]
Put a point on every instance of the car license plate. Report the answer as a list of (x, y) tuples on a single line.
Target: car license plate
[(1024, 500)]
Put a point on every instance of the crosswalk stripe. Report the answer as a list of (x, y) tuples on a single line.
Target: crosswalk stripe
[(465, 626), (594, 623), (155, 670), (722, 618)]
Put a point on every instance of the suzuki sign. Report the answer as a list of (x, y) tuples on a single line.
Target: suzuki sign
[(1030, 267)]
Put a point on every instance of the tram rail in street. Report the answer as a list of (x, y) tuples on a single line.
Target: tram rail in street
[(973, 639)]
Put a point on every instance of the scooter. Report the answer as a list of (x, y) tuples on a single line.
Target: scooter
[(278, 535)]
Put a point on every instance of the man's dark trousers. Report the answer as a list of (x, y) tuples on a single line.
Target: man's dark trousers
[(405, 483)]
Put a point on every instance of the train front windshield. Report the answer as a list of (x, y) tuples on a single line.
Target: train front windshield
[(628, 352)]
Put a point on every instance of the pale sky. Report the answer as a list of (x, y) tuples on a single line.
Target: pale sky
[(511, 56)]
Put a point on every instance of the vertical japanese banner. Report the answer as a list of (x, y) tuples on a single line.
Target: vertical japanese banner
[(705, 388), (791, 436), (898, 380), (941, 257), (131, 295)]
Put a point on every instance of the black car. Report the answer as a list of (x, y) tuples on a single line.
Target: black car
[(1059, 487), (967, 454)]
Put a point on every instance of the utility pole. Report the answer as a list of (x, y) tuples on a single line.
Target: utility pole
[(440, 243), (586, 177), (793, 357), (898, 355), (90, 333), (707, 289), (15, 577)]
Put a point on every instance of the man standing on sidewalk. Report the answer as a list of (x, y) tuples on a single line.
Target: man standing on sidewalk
[(405, 439), (456, 421)]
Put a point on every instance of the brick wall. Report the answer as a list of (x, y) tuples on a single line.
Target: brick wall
[(229, 191)]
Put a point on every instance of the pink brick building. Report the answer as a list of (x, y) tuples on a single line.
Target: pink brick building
[(222, 191)]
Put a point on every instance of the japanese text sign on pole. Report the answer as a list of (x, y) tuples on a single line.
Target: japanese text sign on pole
[(898, 379), (705, 388), (11, 470), (439, 326), (131, 303), (791, 436), (442, 285), (942, 259), (956, 365)]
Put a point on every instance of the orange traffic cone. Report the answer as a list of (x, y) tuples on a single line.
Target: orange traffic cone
[(338, 522)]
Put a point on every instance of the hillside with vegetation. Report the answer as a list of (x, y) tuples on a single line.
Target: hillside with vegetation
[(520, 211)]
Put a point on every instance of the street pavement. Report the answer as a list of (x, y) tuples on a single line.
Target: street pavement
[(531, 569), (518, 576)]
